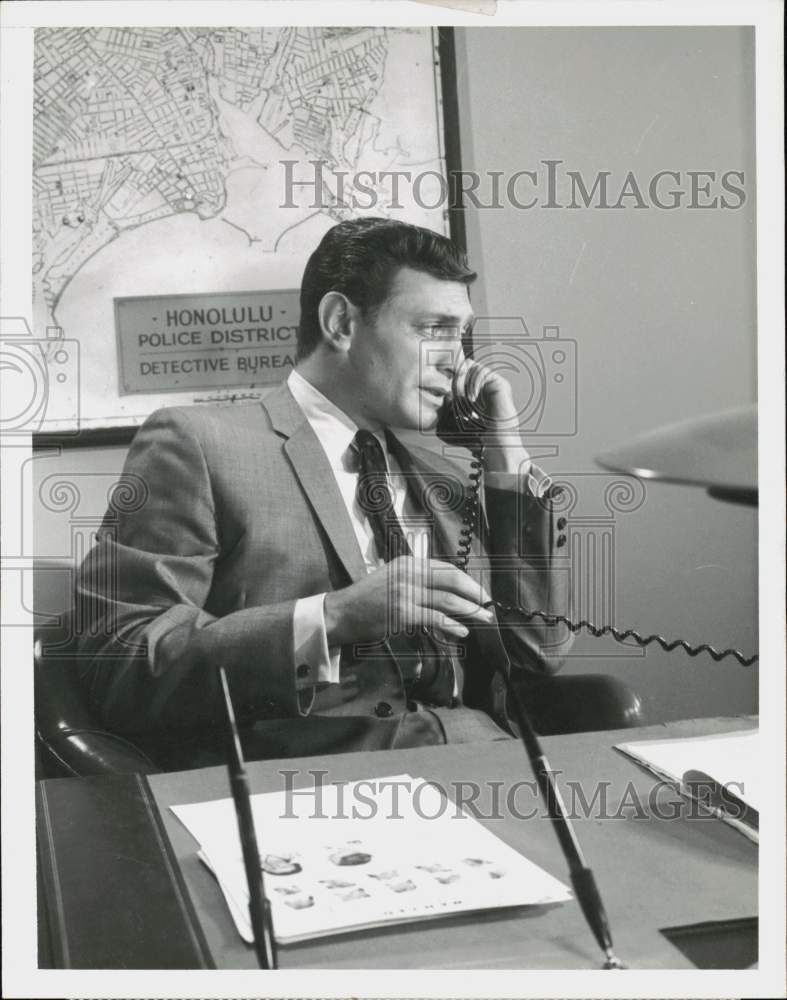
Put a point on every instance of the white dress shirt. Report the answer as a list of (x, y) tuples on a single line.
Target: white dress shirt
[(335, 432)]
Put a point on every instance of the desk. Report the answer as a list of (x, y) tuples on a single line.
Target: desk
[(653, 872)]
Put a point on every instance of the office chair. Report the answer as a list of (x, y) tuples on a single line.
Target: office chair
[(70, 742)]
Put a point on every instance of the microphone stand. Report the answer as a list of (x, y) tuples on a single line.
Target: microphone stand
[(493, 652), (259, 906)]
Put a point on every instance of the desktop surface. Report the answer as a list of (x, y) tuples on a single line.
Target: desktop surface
[(654, 872)]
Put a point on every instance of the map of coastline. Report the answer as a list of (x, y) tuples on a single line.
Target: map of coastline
[(191, 155)]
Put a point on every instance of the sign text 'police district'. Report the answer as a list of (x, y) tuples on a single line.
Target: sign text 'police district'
[(176, 343)]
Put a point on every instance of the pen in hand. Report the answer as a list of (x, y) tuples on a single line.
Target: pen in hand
[(259, 906)]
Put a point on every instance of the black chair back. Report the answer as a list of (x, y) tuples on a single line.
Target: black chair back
[(69, 741)]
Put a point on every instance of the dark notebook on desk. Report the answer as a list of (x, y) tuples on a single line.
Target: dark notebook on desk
[(120, 869)]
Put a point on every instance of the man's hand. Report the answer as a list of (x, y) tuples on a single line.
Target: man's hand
[(493, 398), (406, 593)]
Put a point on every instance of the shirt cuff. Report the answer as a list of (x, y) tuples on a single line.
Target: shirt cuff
[(315, 662), (534, 477)]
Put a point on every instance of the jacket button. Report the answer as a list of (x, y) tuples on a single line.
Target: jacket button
[(561, 523), (383, 710), (561, 541), (302, 670)]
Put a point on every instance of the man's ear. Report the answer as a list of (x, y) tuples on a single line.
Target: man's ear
[(337, 320)]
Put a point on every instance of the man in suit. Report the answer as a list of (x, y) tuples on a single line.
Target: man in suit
[(255, 542)]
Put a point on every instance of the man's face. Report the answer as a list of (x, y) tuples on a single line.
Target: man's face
[(402, 360)]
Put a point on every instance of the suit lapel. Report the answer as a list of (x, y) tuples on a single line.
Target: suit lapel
[(313, 471), (439, 491), (441, 494)]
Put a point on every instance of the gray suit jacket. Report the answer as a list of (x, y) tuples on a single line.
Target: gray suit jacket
[(224, 519)]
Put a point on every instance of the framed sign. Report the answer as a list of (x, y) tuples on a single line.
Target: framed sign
[(185, 343), (182, 177)]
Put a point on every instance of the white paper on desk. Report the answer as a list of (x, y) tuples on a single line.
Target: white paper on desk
[(728, 758), (392, 863)]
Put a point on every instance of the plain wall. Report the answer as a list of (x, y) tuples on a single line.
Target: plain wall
[(661, 305)]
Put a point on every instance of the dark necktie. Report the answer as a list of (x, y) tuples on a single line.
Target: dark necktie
[(435, 683)]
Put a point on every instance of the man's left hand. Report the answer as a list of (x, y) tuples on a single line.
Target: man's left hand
[(492, 396)]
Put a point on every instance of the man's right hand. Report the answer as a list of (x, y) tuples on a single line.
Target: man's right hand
[(404, 594)]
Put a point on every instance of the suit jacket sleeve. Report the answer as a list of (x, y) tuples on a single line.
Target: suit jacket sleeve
[(529, 569), (149, 648)]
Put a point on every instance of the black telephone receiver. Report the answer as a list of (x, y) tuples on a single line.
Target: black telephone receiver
[(460, 422)]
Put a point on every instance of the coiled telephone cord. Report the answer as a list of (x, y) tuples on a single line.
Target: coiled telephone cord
[(622, 635), (470, 519)]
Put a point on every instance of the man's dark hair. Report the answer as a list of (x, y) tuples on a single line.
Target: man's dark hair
[(360, 259)]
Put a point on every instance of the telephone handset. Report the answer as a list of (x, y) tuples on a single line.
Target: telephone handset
[(461, 422)]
